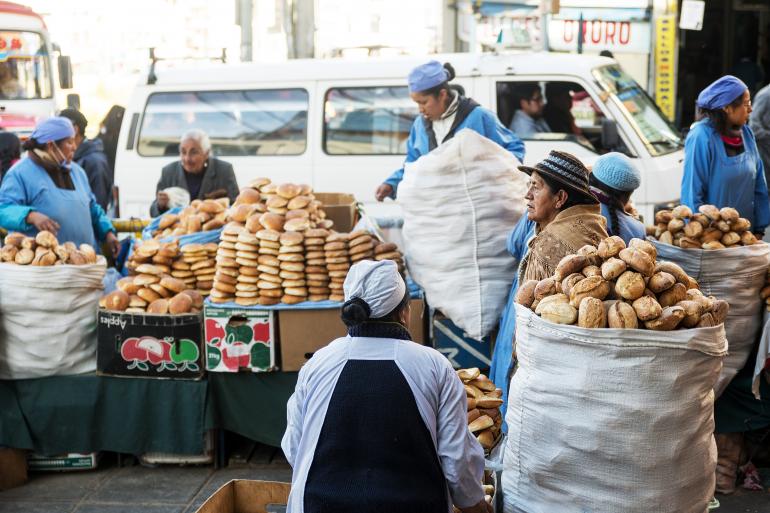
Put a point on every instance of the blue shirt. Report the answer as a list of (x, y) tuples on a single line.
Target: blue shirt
[(27, 187), (525, 126), (628, 227), (711, 177), (480, 120)]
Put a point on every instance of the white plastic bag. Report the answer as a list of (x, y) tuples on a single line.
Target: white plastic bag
[(736, 275), (48, 319), (610, 420), (460, 202)]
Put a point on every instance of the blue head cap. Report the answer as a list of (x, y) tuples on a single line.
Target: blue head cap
[(617, 171), (53, 129), (721, 93), (427, 76)]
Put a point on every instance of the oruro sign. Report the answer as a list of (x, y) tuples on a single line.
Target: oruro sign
[(616, 36)]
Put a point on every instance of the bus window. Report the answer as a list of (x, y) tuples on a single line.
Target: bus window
[(239, 123), (367, 120)]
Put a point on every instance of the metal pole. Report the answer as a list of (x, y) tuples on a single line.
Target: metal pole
[(580, 33), (245, 18), (304, 30)]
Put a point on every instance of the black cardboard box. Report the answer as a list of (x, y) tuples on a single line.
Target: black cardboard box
[(149, 346)]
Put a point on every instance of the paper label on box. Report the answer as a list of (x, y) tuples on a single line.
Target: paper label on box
[(239, 340)]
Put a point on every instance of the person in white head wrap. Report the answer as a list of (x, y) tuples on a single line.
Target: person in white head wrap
[(378, 422)]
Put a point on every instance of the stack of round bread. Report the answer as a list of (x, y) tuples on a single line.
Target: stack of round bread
[(246, 255), (291, 257), (201, 266), (621, 287), (199, 216), (389, 251), (269, 266), (153, 293), (710, 228), (44, 250), (226, 276), (337, 257), (316, 273), (484, 401), (361, 246)]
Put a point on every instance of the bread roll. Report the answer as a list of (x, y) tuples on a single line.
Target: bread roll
[(675, 225), (180, 304), (195, 296), (594, 286), (666, 238), (707, 321), (661, 281), (591, 313), (546, 287), (8, 253), (647, 308), (288, 190), (701, 219), (159, 306), (486, 402), (748, 238), (676, 271), (673, 295), (693, 229), (728, 214), (46, 239), (692, 313), (272, 221), (612, 268), (172, 284), (710, 211), (555, 298), (88, 252), (622, 316), (610, 247), (570, 281), (713, 245), (681, 212), (689, 243), (645, 246), (473, 415), (591, 253), (525, 295), (722, 226), (568, 265), (486, 439), (730, 238), (663, 216), (24, 256), (15, 239), (559, 313), (592, 270), (719, 310), (117, 300), (630, 285), (468, 374), (668, 320)]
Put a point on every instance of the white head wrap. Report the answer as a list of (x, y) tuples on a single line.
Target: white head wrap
[(377, 283)]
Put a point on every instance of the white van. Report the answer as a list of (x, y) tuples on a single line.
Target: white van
[(342, 125)]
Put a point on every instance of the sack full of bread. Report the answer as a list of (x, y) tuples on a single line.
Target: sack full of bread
[(484, 400), (43, 250), (614, 286), (709, 228)]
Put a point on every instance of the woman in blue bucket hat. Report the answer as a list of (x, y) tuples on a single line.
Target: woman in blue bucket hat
[(722, 166), (443, 112), (613, 179), (47, 191)]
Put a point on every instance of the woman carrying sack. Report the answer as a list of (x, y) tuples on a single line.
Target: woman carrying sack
[(444, 111), (722, 165), (377, 422)]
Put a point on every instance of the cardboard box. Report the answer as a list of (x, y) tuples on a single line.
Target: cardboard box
[(13, 468), (149, 346), (63, 462), (239, 339), (341, 208), (244, 496), (303, 332)]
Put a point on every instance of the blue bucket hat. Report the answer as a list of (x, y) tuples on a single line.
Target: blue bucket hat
[(427, 76), (617, 171), (53, 129), (721, 93)]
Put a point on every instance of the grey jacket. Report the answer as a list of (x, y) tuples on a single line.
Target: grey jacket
[(760, 125), (219, 176)]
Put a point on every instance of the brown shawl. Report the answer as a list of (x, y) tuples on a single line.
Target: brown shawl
[(570, 230)]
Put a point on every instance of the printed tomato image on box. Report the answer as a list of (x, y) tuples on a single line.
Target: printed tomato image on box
[(146, 345), (239, 340)]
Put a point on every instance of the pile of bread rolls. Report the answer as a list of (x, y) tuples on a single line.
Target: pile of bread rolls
[(165, 295), (193, 264), (621, 287), (44, 250), (199, 216), (484, 401), (710, 228)]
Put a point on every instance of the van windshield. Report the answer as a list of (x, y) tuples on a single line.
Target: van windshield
[(657, 133), (25, 72)]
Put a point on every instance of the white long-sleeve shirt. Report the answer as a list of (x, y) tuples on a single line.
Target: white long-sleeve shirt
[(438, 393)]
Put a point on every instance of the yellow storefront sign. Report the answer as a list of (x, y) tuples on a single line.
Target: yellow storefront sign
[(665, 64)]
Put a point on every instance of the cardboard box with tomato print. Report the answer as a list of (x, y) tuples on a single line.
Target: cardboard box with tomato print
[(149, 346), (239, 340)]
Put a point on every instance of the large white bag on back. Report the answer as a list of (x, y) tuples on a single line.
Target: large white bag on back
[(611, 420), (460, 202), (48, 319), (736, 275)]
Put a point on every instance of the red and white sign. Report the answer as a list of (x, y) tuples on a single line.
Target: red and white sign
[(616, 36)]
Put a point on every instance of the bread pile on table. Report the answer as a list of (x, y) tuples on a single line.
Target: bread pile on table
[(316, 272), (337, 256), (192, 264), (621, 287), (710, 228), (200, 260), (153, 294), (199, 216), (484, 400), (44, 250)]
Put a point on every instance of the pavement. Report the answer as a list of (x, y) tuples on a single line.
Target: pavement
[(174, 489)]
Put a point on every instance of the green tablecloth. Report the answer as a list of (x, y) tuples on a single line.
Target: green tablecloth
[(130, 415)]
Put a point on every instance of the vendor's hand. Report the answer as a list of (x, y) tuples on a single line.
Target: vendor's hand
[(162, 200), (383, 191), (114, 244), (42, 222), (479, 507)]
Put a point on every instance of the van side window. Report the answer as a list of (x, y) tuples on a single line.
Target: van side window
[(239, 123), (552, 110), (367, 120)]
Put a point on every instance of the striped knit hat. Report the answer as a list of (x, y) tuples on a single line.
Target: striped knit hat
[(566, 169)]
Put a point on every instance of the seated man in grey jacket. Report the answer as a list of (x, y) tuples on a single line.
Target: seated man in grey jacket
[(203, 176)]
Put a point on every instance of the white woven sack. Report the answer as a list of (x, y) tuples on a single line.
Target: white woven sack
[(736, 275), (610, 420), (460, 202), (48, 319)]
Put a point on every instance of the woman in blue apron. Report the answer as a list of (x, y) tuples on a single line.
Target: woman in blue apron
[(378, 422), (722, 166), (47, 191), (444, 111)]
